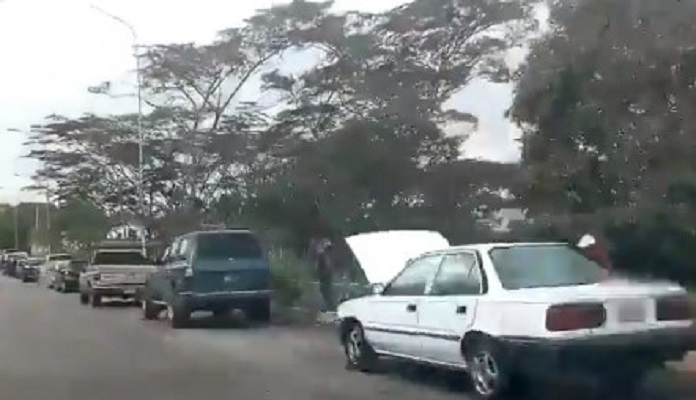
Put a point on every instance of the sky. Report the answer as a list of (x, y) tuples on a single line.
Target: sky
[(53, 50)]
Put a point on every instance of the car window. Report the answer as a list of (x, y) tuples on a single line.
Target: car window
[(186, 247), (413, 279), (174, 250), (120, 258), (459, 274), (228, 245), (543, 266), (60, 257)]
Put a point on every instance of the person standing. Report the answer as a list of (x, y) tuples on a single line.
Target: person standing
[(321, 250)]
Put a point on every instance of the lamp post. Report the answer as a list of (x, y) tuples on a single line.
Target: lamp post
[(138, 72)]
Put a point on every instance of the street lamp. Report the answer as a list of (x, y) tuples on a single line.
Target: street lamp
[(138, 72)]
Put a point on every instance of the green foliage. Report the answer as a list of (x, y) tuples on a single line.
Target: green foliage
[(289, 275)]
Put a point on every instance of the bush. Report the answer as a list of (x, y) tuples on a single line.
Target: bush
[(288, 276)]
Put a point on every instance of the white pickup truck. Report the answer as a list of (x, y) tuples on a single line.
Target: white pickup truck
[(115, 273), (504, 310)]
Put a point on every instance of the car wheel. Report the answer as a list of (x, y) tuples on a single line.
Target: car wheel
[(260, 311), (95, 300), (359, 354), (150, 309), (178, 314), (84, 299), (488, 371)]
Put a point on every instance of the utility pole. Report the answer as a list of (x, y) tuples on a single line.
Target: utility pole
[(16, 227), (138, 72)]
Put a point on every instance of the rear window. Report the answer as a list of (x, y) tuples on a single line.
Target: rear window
[(228, 245), (120, 258), (60, 257), (535, 266)]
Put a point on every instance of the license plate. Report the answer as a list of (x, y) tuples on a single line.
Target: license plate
[(129, 291), (631, 311)]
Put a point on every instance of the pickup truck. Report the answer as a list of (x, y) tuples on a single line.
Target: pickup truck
[(114, 273)]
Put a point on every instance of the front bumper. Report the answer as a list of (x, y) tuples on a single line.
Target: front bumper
[(593, 353)]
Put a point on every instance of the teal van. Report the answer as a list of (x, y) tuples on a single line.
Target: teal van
[(217, 271)]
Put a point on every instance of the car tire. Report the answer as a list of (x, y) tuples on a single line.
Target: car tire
[(95, 300), (179, 314), (24, 279), (260, 311), (488, 369), (150, 310), (84, 299), (360, 355)]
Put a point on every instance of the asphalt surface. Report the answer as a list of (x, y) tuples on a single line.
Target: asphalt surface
[(51, 347)]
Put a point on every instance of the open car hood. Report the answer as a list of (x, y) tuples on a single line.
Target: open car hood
[(383, 254)]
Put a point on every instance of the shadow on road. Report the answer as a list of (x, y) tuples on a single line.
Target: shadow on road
[(662, 385)]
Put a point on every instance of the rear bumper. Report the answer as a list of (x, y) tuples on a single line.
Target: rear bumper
[(206, 300), (549, 356)]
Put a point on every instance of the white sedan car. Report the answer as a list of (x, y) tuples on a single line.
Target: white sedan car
[(505, 310)]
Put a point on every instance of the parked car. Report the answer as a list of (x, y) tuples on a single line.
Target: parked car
[(508, 310), (28, 269), (10, 262), (52, 266), (67, 276), (114, 272), (217, 271)]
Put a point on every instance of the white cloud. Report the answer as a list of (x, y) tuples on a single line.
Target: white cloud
[(53, 50)]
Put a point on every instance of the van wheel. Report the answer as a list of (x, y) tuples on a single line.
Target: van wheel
[(360, 355), (260, 311), (178, 314), (487, 368), (84, 299)]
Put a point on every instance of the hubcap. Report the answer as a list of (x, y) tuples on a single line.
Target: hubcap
[(354, 345), (485, 373)]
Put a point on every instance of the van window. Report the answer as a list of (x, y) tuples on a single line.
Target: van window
[(228, 245)]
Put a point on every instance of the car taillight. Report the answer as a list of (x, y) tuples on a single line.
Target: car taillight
[(676, 308), (571, 317)]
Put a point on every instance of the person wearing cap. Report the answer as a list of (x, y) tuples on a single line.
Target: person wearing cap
[(595, 251)]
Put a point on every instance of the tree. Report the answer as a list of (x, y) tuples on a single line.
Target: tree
[(606, 102)]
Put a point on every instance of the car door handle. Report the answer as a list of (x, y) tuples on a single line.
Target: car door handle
[(411, 308), (461, 309)]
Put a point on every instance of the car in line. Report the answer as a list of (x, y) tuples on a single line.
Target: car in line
[(503, 311), (52, 264), (117, 270), (10, 260), (66, 277), (28, 270), (217, 271)]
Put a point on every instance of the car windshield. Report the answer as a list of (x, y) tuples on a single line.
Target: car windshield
[(534, 266), (60, 257), (120, 258), (228, 245)]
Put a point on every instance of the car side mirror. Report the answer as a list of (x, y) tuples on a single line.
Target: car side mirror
[(378, 288)]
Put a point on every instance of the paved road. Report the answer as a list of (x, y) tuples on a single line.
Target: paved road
[(53, 348)]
